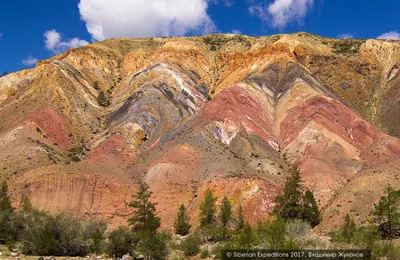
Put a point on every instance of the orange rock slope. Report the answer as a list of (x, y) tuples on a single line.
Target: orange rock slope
[(228, 112)]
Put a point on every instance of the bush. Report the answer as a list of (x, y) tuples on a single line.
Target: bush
[(153, 245), (245, 239), (346, 47), (385, 250), (96, 85), (103, 99), (43, 234), (191, 245), (297, 228), (272, 233), (120, 242), (204, 253), (39, 233)]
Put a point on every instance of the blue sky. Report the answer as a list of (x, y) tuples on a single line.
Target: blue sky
[(35, 30)]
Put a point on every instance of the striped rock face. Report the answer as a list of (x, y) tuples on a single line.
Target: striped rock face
[(226, 112)]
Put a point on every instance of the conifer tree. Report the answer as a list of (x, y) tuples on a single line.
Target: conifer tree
[(289, 204), (181, 224), (348, 229), (387, 211), (225, 212), (144, 224), (310, 212), (26, 204), (6, 213), (207, 208), (5, 202), (144, 218), (240, 221)]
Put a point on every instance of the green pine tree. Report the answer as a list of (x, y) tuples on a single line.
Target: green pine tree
[(207, 209), (310, 212), (6, 215), (5, 202), (144, 218), (225, 212), (181, 224), (348, 229), (387, 210), (289, 204), (240, 221), (145, 223)]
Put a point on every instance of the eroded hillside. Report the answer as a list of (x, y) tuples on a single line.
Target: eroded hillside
[(229, 112)]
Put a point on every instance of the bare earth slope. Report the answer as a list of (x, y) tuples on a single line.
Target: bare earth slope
[(228, 112)]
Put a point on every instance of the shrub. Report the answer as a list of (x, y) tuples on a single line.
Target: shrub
[(273, 233), (39, 234), (103, 99), (11, 92), (191, 245), (245, 239), (120, 242), (213, 233), (43, 234), (96, 85), (152, 245), (204, 253), (346, 47), (297, 228)]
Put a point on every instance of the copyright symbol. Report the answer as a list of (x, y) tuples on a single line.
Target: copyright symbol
[(229, 254)]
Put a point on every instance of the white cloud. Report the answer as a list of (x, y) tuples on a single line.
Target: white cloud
[(234, 31), (281, 12), (54, 43), (145, 18), (345, 36), (393, 35), (226, 2), (30, 61)]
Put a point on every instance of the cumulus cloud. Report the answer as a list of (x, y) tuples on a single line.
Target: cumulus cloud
[(30, 61), (393, 35), (345, 36), (53, 42), (144, 18), (281, 12)]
